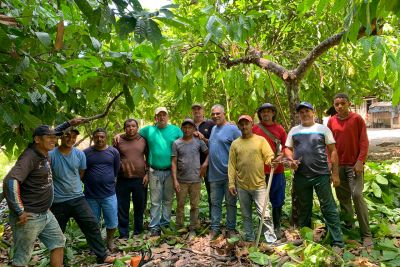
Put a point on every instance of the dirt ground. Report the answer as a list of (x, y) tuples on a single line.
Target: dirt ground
[(384, 144)]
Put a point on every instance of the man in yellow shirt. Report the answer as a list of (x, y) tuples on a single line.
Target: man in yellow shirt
[(247, 156)]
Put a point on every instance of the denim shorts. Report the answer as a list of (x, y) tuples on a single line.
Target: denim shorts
[(108, 206), (40, 225)]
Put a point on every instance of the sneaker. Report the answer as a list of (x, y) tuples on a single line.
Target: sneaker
[(155, 232), (231, 233), (337, 250), (368, 243), (192, 234), (213, 234)]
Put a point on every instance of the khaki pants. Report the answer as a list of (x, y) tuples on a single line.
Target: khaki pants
[(193, 190), (351, 191)]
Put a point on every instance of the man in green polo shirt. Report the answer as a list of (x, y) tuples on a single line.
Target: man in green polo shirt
[(160, 138)]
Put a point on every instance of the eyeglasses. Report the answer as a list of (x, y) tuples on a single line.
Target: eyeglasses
[(215, 113)]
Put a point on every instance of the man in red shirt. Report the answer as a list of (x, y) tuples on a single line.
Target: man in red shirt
[(350, 133), (276, 137)]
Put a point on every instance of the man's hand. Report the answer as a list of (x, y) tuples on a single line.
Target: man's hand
[(23, 218), (335, 180), (359, 167), (233, 191), (146, 180), (76, 121), (198, 135), (116, 139), (176, 185), (294, 164), (203, 170)]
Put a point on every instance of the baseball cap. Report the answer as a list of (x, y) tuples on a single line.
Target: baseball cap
[(266, 105), (161, 109), (197, 105), (245, 117), (304, 105), (71, 129), (188, 121), (45, 130)]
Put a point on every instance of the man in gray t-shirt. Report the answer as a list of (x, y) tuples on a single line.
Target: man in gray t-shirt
[(186, 173)]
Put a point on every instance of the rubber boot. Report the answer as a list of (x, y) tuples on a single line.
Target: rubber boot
[(110, 239), (276, 218)]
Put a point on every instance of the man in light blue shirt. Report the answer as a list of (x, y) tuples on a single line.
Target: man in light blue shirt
[(222, 136), (68, 165)]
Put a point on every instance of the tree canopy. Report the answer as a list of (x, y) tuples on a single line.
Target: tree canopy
[(63, 59)]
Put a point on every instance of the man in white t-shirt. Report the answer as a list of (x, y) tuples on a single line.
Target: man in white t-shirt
[(307, 145)]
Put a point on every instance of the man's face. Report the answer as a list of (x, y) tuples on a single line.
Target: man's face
[(69, 139), (218, 116), (306, 116), (342, 106), (162, 119), (245, 127), (267, 114), (45, 142), (188, 130), (197, 112), (131, 128), (100, 139)]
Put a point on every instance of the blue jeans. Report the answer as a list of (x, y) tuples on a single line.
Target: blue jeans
[(161, 197), (39, 225), (109, 208), (219, 190), (246, 199)]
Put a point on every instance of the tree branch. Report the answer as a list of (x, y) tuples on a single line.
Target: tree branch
[(102, 115), (317, 51), (255, 57)]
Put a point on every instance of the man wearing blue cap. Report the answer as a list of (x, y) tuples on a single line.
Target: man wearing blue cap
[(307, 144)]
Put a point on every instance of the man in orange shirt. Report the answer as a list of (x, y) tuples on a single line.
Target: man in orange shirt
[(350, 133)]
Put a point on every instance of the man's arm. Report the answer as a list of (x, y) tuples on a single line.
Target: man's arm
[(67, 124), (81, 174), (232, 171), (363, 146), (335, 164), (173, 173), (12, 194)]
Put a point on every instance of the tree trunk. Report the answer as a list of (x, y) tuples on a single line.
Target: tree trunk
[(292, 90)]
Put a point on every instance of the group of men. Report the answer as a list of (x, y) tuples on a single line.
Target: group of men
[(235, 161)]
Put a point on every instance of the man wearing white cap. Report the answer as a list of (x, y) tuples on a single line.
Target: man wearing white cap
[(160, 138)]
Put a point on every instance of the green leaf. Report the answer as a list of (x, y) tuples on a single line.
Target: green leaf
[(389, 255), (305, 6), (381, 180), (125, 25), (307, 233), (44, 38), (259, 258), (347, 256), (153, 33), (23, 65), (376, 189), (118, 263), (321, 7), (60, 69), (377, 57), (96, 44), (136, 5), (210, 23), (128, 98), (338, 6), (233, 240), (121, 5), (85, 7)]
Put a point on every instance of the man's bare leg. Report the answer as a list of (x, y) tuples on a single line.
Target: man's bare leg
[(56, 257)]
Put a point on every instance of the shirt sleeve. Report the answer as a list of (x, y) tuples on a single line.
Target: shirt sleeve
[(22, 168), (329, 137), (117, 162), (62, 126), (232, 166), (268, 154), (289, 139), (283, 137), (203, 146), (82, 160), (236, 133), (363, 140), (174, 149), (12, 194)]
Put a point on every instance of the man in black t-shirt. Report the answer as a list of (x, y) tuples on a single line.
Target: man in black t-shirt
[(203, 132), (28, 189)]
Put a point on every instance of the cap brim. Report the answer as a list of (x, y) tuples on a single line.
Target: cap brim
[(197, 106)]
